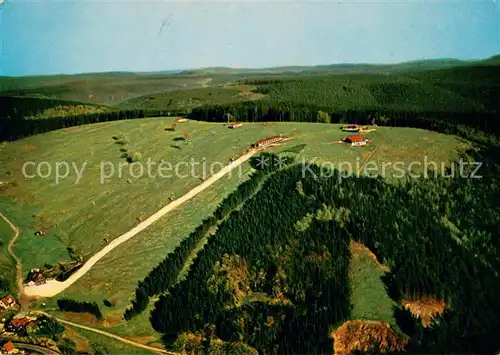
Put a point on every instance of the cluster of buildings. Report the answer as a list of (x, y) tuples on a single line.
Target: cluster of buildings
[(7, 302), (21, 325), (9, 348), (35, 278), (266, 141), (356, 141), (351, 128)]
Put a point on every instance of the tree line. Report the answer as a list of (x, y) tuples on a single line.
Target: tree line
[(69, 305), (300, 273), (13, 128), (166, 273), (263, 111)]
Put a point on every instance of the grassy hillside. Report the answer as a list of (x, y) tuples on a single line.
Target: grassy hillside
[(83, 215)]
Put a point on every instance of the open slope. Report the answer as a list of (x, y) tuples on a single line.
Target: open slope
[(53, 287), (83, 215)]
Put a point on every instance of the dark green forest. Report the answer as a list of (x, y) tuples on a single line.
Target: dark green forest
[(258, 265)]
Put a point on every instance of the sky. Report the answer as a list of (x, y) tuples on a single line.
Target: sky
[(51, 37)]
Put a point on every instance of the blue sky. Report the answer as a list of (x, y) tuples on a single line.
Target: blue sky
[(48, 37)]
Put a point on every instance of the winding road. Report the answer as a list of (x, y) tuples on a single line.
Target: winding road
[(109, 335), (116, 337), (19, 266), (53, 287)]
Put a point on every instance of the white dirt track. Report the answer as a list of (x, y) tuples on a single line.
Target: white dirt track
[(53, 287)]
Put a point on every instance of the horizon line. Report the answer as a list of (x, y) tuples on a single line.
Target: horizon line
[(179, 71)]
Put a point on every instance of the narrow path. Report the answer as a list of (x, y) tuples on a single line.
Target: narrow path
[(116, 337), (109, 335), (53, 287), (367, 159), (37, 349), (19, 266)]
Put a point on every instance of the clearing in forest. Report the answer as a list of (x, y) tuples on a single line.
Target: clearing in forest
[(366, 336), (369, 297)]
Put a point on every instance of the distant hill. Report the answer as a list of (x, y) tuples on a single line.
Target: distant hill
[(343, 68), (113, 88), (98, 88)]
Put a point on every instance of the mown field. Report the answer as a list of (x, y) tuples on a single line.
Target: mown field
[(106, 210)]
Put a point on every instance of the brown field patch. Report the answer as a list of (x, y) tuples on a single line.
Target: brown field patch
[(250, 95), (425, 308), (29, 147), (359, 248), (81, 343), (356, 335), (88, 318)]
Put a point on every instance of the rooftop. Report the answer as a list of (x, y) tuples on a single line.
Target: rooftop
[(8, 300), (9, 347), (356, 139), (268, 139)]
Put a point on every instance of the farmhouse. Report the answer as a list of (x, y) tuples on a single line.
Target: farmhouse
[(35, 277), (267, 141), (20, 324), (8, 348), (235, 125), (7, 302), (351, 128), (356, 141)]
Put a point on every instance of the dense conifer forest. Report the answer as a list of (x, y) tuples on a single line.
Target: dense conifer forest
[(267, 264)]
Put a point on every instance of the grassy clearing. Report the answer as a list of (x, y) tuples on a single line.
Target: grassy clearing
[(369, 298), (100, 344), (83, 215)]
